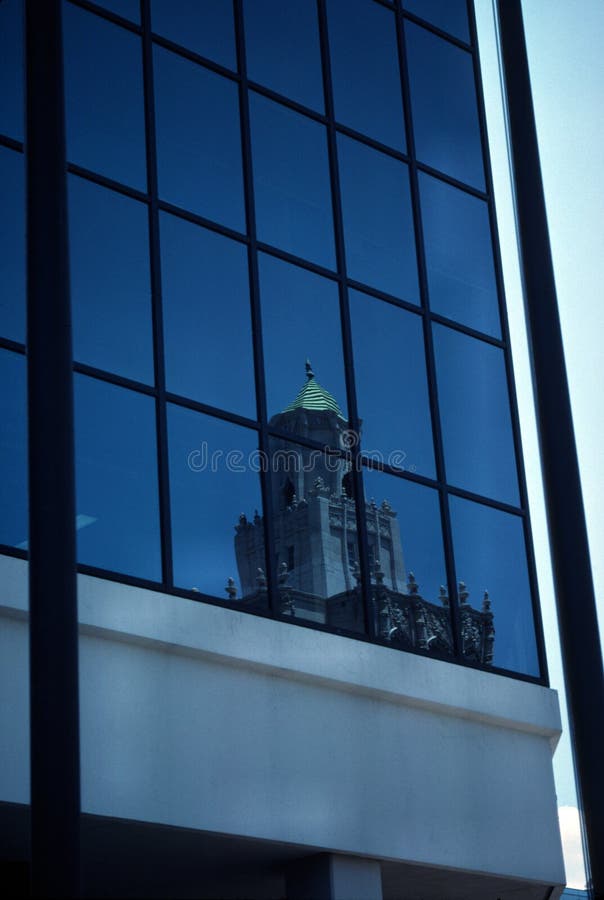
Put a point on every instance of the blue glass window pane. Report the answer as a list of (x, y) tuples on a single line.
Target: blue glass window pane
[(450, 15), (365, 71), (207, 321), (128, 9), (13, 450), (300, 321), (314, 525), (198, 139), (12, 245), (110, 287), (104, 105), (116, 479), (391, 384), (217, 527), (459, 256), (378, 223), (204, 26), (282, 47), (407, 562), (11, 69), (490, 555), (291, 180), (475, 415), (443, 101)]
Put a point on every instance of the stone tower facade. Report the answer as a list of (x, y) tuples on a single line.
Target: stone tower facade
[(315, 542)]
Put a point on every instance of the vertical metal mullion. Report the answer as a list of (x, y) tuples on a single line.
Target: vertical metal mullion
[(156, 300), (353, 415), (507, 352), (429, 341), (254, 280), (53, 611)]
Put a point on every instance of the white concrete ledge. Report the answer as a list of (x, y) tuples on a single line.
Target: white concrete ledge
[(137, 615)]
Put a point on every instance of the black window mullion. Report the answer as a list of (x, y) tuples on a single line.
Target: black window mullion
[(505, 331), (252, 249), (428, 342), (156, 301), (353, 415)]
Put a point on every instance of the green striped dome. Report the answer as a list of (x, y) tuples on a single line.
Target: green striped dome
[(313, 396)]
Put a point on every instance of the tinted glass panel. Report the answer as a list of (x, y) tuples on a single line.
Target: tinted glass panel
[(217, 529), (459, 255), (13, 450), (110, 289), (207, 324), (391, 382), (408, 575), (291, 180), (450, 15), (198, 140), (490, 555), (12, 245), (129, 9), (116, 479), (104, 97), (378, 225), (475, 415), (443, 100), (316, 549), (11, 68), (365, 72), (300, 321), (205, 27), (282, 46)]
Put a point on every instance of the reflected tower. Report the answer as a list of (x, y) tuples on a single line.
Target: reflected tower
[(315, 542)]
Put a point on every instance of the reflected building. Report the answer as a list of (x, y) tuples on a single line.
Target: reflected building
[(316, 552)]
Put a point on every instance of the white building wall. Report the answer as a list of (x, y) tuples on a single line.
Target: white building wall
[(198, 716)]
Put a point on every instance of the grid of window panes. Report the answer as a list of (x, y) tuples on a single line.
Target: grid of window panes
[(293, 384)]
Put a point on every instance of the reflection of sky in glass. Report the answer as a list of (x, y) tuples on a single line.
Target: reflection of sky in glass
[(206, 28), (104, 114), (282, 48), (129, 9), (300, 320), (13, 449), (443, 100), (116, 479), (378, 225), (11, 69), (12, 244), (450, 15), (199, 167), (291, 181), (110, 288), (207, 325), (418, 517), (206, 504), (459, 255), (365, 71), (475, 415), (391, 382), (490, 555)]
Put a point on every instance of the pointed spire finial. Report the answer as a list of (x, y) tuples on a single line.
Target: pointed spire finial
[(309, 372)]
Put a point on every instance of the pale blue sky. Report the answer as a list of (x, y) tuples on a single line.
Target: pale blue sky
[(567, 69)]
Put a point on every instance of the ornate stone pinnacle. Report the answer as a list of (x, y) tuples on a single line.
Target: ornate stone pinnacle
[(231, 589), (412, 585), (309, 372), (463, 592)]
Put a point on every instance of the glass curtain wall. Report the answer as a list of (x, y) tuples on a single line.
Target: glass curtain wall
[(293, 388)]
